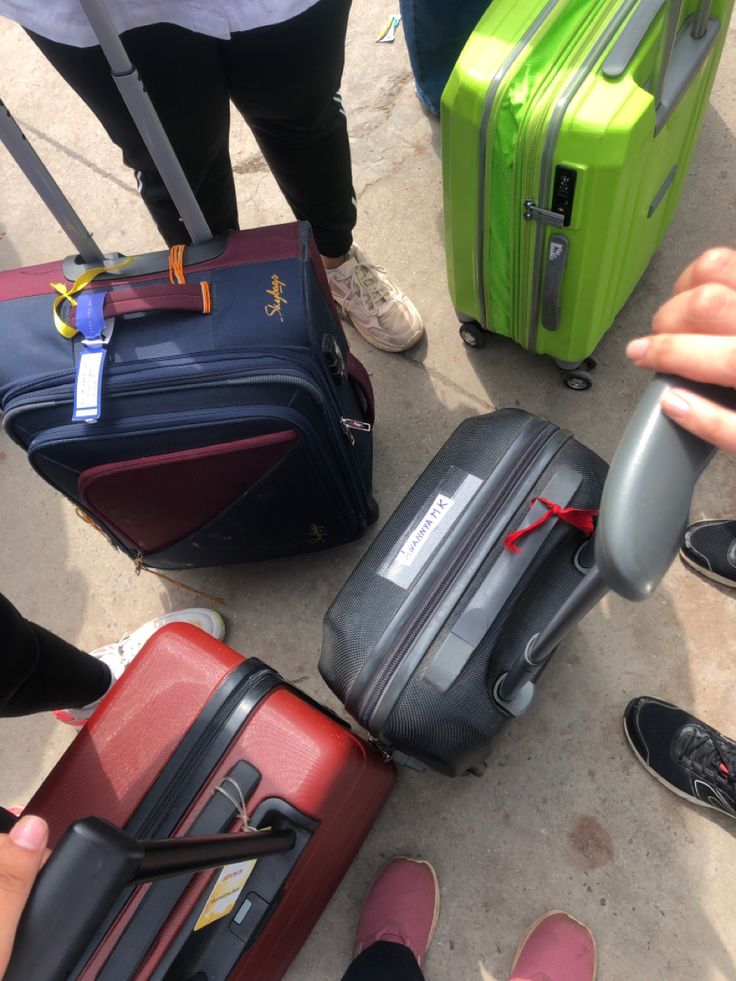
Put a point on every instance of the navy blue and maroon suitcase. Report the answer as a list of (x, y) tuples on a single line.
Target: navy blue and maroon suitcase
[(224, 435), (200, 404), (231, 740)]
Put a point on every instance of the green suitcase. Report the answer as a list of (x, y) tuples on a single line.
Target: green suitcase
[(567, 132)]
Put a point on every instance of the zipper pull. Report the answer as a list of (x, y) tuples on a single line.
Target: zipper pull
[(533, 213), (348, 424)]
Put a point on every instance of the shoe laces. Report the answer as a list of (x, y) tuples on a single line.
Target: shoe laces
[(371, 289), (707, 749)]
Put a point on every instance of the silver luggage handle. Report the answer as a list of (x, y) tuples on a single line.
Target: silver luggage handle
[(682, 54), (647, 494), (144, 115), (48, 190), (643, 515)]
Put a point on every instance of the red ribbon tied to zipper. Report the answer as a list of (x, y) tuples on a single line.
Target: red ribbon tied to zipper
[(581, 518)]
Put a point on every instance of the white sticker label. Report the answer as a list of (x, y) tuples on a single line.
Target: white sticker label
[(423, 531), (428, 530), (88, 385), (225, 892)]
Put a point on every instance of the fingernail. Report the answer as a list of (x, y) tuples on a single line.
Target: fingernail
[(637, 349), (673, 401), (30, 832)]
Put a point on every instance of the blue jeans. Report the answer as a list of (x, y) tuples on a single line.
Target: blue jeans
[(436, 32)]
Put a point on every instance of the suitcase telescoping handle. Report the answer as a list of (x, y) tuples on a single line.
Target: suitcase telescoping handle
[(97, 861), (643, 515), (47, 189), (140, 107), (144, 115), (680, 55)]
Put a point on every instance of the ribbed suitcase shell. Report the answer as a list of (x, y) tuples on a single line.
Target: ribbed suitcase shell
[(385, 628), (535, 101), (305, 756)]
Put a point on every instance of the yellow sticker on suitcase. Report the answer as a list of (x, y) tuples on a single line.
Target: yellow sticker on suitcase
[(225, 892)]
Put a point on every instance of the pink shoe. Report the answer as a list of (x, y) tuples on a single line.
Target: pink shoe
[(555, 948), (402, 907)]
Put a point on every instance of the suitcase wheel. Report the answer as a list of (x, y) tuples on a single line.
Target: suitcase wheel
[(473, 334), (577, 380)]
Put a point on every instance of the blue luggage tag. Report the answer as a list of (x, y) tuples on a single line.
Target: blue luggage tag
[(91, 323)]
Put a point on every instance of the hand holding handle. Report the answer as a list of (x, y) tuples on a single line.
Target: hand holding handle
[(646, 499)]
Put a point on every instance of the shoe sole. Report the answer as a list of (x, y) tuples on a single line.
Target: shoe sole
[(373, 341), (667, 784), (223, 626), (706, 573), (541, 919)]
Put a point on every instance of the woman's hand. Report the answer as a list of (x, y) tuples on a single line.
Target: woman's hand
[(694, 335), (22, 853)]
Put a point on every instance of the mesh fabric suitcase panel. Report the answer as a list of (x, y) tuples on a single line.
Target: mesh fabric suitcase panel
[(438, 609)]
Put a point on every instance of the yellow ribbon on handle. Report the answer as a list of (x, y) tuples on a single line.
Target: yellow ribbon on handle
[(67, 293)]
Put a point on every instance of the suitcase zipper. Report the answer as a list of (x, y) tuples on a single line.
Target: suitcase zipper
[(533, 213), (117, 388), (545, 173), (465, 549), (341, 430), (483, 162), (150, 825)]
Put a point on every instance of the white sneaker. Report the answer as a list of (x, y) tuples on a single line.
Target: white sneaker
[(118, 656), (380, 312)]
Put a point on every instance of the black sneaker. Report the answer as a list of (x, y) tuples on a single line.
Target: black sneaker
[(683, 753), (710, 548)]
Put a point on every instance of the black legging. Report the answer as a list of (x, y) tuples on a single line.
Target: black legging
[(284, 79), (384, 961), (39, 671)]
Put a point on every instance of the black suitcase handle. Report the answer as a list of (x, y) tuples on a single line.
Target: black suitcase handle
[(98, 861)]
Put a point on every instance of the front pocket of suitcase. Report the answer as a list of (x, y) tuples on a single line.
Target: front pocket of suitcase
[(291, 509), (153, 501), (297, 501)]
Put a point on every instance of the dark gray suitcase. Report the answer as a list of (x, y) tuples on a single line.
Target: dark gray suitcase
[(441, 632)]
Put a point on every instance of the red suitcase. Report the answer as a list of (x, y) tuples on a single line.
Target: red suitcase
[(145, 766)]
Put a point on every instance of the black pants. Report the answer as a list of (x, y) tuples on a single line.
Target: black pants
[(384, 961), (284, 80), (39, 671)]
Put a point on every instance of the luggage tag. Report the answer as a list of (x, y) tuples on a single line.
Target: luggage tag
[(232, 878), (96, 331)]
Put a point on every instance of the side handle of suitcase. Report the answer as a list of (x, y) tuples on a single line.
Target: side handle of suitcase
[(643, 514), (681, 55), (102, 861)]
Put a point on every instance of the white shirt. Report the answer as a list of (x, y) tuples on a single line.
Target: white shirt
[(65, 20)]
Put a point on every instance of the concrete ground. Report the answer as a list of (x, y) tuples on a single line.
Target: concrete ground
[(565, 817)]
